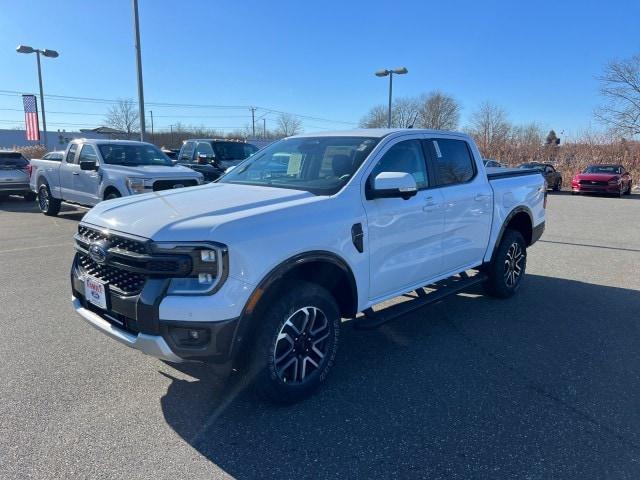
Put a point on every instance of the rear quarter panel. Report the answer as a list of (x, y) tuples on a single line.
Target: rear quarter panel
[(509, 193), (46, 170)]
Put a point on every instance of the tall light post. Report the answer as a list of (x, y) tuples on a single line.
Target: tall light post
[(47, 53), (389, 73), (136, 33)]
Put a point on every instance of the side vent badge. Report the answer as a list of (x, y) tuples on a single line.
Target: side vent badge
[(357, 236)]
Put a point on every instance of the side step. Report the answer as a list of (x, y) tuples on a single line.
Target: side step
[(443, 289)]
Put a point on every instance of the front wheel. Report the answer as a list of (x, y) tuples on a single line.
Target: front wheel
[(48, 204), (296, 343), (111, 195), (507, 268), (629, 189)]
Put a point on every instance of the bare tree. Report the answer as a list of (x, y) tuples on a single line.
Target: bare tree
[(490, 129), (404, 112), (375, 118), (620, 87), (123, 116), (439, 111), (288, 124)]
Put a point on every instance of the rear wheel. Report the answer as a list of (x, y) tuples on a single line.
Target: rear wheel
[(508, 266), (48, 205), (296, 343)]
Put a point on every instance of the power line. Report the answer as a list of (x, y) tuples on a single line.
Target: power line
[(69, 98)]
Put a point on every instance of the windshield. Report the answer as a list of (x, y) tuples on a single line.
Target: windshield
[(233, 150), (320, 165), (612, 169), (133, 155), (13, 160)]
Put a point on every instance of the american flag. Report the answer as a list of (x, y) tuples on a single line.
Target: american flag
[(31, 117)]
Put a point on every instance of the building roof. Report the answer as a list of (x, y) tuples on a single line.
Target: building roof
[(104, 130)]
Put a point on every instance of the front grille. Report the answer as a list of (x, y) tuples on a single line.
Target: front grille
[(121, 243), (593, 183), (168, 184), (119, 280)]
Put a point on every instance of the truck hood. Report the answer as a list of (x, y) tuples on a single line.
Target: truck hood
[(155, 171), (597, 177), (191, 213)]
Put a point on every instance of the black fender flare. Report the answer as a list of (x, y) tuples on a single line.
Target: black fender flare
[(277, 273), (509, 217)]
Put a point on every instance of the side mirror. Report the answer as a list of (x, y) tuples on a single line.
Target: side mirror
[(204, 158), (393, 185), (88, 165)]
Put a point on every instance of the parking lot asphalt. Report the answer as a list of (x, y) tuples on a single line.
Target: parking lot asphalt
[(543, 385)]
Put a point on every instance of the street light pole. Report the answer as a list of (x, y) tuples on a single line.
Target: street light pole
[(47, 53), (136, 29), (44, 119), (389, 73)]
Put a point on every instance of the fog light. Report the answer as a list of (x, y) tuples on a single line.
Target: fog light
[(190, 337), (194, 335)]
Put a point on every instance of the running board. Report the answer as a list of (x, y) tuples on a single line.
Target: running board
[(443, 289)]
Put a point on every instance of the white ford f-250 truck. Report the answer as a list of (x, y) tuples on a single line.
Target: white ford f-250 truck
[(95, 170), (259, 268)]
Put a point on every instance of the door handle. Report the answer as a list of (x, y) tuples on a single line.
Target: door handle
[(76, 173), (429, 204)]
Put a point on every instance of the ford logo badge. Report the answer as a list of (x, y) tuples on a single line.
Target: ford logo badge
[(98, 253)]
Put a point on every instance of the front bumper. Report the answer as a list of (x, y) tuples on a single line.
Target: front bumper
[(134, 320), (603, 189)]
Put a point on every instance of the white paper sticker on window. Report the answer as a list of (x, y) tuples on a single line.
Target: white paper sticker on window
[(437, 147), (295, 160)]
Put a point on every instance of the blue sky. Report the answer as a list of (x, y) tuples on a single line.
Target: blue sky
[(538, 60)]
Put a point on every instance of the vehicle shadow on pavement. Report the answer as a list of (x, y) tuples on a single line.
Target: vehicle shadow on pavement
[(16, 204), (542, 385)]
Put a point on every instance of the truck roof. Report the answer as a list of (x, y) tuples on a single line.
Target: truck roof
[(95, 141), (376, 132)]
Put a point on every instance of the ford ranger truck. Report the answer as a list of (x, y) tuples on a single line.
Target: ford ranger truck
[(95, 170), (260, 269)]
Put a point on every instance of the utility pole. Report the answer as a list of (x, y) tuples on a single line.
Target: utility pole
[(171, 130), (264, 128), (152, 136), (136, 29), (253, 121)]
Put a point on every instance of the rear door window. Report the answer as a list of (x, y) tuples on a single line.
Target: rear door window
[(71, 155), (453, 161)]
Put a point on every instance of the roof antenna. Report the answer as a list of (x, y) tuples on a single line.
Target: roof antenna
[(414, 120)]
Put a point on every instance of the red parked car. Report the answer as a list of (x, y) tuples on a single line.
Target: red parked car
[(609, 179)]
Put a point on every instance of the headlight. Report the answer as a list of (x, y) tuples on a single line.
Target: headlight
[(136, 184), (210, 267), (615, 181)]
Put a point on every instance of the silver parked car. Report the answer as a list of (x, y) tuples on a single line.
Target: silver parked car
[(14, 175)]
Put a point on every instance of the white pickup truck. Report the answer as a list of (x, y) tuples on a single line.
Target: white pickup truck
[(259, 268), (94, 170)]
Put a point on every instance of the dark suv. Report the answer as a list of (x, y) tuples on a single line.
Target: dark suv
[(550, 174), (211, 157)]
